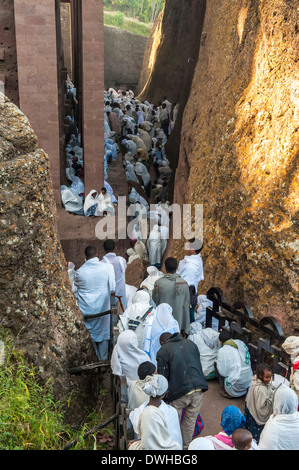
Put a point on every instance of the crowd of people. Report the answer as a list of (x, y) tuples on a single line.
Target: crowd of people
[(138, 131), (165, 362), (164, 354)]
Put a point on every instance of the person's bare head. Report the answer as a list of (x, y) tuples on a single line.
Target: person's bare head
[(164, 337), (242, 439), (90, 252)]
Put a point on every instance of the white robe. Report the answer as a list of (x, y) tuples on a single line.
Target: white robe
[(91, 201), (120, 265), (153, 275), (105, 204), (191, 269), (208, 345), (127, 357), (171, 417), (281, 431), (134, 197), (70, 199), (93, 285), (139, 306), (130, 292), (234, 364), (162, 321), (154, 246), (141, 171), (110, 192), (153, 432)]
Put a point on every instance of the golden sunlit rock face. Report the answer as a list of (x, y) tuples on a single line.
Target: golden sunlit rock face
[(239, 154)]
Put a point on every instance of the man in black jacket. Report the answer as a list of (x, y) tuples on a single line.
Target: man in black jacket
[(178, 360)]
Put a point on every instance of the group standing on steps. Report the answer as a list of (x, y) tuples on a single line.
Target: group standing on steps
[(164, 354)]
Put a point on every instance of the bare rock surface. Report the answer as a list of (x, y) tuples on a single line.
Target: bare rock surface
[(36, 299), (239, 153)]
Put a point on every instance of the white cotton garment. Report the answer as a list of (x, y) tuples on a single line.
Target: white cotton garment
[(127, 357), (281, 431)]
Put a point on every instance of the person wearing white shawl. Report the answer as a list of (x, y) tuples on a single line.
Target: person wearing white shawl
[(139, 142), (200, 316), (130, 292), (71, 201), (93, 285), (291, 347), (130, 173), (281, 431), (105, 203), (91, 204), (152, 424), (207, 341), (191, 267), (191, 270), (140, 117), (135, 316), (136, 395), (130, 145), (170, 414), (126, 356), (139, 247), (141, 170), (134, 197), (145, 136), (162, 321), (110, 192), (153, 275), (200, 312), (78, 185), (154, 246), (132, 255), (234, 366), (119, 266)]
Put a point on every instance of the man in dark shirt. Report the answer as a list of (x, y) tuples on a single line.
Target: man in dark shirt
[(178, 360)]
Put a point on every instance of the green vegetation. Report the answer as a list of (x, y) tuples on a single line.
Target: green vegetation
[(119, 20), (145, 11), (29, 418), (136, 16)]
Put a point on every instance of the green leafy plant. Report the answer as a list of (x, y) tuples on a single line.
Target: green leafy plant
[(29, 417)]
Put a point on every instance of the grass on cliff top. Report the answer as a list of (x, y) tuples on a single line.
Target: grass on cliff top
[(29, 417), (119, 20)]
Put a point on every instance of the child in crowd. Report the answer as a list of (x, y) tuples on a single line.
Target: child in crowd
[(259, 400), (231, 419)]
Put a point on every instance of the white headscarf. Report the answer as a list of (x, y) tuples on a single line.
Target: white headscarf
[(285, 401), (141, 296), (78, 185), (155, 385), (90, 200), (126, 356), (162, 321), (70, 199), (141, 171), (291, 347), (153, 275)]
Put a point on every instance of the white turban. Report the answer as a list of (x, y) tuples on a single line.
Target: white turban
[(155, 385)]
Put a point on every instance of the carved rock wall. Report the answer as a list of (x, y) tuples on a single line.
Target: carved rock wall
[(239, 154), (36, 300)]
